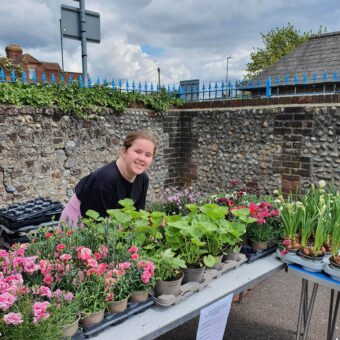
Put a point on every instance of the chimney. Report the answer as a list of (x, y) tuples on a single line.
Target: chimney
[(13, 51)]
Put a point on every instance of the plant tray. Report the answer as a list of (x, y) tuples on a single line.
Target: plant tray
[(254, 255), (191, 287), (310, 265), (332, 272), (113, 319), (31, 212)]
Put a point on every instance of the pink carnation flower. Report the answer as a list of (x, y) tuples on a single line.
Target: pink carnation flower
[(6, 301), (133, 250), (13, 319), (40, 311), (65, 257)]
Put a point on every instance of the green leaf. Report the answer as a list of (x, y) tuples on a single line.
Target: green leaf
[(209, 260)]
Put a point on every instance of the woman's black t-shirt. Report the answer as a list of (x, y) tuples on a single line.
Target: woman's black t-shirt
[(102, 189)]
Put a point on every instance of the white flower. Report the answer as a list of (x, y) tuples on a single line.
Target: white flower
[(322, 183)]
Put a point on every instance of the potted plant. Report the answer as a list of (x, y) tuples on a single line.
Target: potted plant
[(184, 235), (120, 289), (168, 272), (316, 251), (259, 235), (291, 218), (92, 294), (140, 275)]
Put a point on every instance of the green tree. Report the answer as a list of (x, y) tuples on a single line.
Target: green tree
[(277, 43)]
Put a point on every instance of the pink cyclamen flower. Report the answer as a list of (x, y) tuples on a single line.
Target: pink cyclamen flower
[(133, 250), (13, 319)]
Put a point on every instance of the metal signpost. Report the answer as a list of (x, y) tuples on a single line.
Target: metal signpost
[(83, 25)]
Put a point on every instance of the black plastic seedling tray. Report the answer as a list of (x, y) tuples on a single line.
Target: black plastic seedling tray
[(113, 319), (32, 212), (254, 255), (28, 210)]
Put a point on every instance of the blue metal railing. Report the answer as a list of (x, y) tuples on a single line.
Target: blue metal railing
[(205, 91)]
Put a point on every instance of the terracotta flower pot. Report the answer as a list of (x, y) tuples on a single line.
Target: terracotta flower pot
[(259, 245), (140, 296), (92, 319), (169, 287), (335, 262), (193, 274), (118, 306), (69, 330)]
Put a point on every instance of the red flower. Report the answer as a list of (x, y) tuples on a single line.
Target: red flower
[(48, 235), (97, 256), (60, 247), (133, 250), (134, 256), (69, 232)]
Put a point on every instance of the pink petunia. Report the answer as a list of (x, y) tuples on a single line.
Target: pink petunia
[(13, 319)]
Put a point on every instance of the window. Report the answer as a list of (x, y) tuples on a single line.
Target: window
[(31, 72)]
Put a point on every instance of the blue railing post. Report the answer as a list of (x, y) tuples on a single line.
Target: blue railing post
[(2, 75), (13, 76), (269, 87), (23, 77)]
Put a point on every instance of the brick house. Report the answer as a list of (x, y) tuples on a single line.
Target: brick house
[(313, 67), (30, 64)]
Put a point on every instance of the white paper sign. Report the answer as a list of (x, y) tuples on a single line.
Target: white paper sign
[(213, 319)]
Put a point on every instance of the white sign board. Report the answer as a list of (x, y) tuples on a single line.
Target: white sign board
[(213, 319)]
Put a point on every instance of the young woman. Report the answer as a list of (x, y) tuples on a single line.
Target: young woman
[(124, 178)]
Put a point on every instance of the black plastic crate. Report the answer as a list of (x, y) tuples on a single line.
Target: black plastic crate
[(114, 319), (254, 255)]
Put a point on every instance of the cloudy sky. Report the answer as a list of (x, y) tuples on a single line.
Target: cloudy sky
[(187, 39)]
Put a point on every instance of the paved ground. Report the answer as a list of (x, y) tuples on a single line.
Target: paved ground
[(268, 311)]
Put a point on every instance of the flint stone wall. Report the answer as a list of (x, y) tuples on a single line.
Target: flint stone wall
[(44, 152)]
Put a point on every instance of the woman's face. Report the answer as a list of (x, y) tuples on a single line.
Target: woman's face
[(138, 157)]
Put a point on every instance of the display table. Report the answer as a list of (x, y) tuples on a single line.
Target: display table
[(306, 307), (158, 320)]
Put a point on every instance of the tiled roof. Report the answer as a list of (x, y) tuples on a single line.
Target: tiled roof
[(319, 54)]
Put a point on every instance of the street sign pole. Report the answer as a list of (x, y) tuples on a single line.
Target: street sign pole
[(83, 40)]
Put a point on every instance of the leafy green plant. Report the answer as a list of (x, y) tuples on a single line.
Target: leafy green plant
[(291, 219), (82, 101), (168, 265)]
